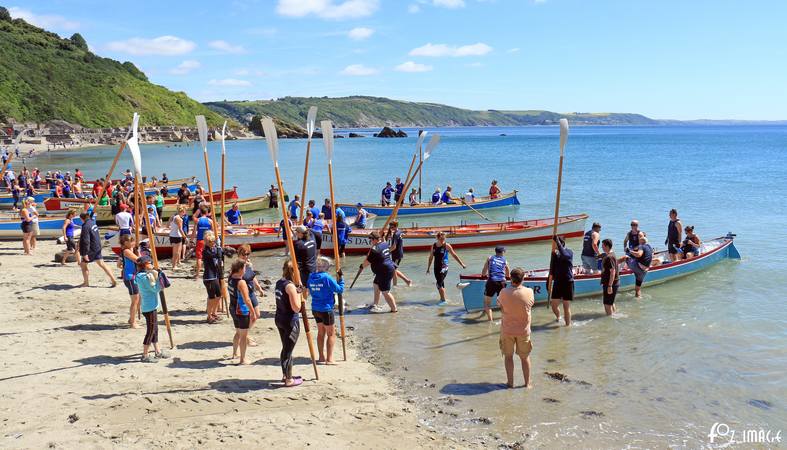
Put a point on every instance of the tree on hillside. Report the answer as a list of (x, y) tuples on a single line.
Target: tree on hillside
[(4, 14), (79, 41)]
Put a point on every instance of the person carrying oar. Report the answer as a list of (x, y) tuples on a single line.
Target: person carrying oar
[(379, 258), (149, 286), (322, 288)]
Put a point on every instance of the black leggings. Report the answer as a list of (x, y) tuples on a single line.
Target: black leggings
[(318, 240), (288, 333), (151, 331)]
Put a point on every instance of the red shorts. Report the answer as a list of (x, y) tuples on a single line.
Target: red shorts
[(200, 247)]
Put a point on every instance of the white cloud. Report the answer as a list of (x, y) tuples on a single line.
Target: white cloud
[(46, 21), (412, 67), (360, 33), (186, 67), (449, 3), (162, 45), (359, 70), (439, 50), (513, 50), (230, 82), (328, 9), (226, 47), (413, 8)]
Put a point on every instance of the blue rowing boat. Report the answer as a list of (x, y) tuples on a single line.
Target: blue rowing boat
[(7, 200), (422, 209), (585, 285), (49, 227)]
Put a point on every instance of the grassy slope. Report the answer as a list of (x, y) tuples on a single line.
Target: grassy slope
[(44, 77), (359, 111)]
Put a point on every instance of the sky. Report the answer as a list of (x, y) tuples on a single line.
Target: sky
[(665, 59)]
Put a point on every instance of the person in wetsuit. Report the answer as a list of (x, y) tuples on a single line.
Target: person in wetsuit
[(288, 305)]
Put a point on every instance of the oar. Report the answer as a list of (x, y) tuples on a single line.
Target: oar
[(476, 211), (202, 127), (327, 140), (223, 155), (11, 154), (420, 158), (269, 130), (563, 139), (133, 146), (310, 118), (117, 158), (427, 153)]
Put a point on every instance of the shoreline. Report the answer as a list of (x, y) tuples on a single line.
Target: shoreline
[(75, 342)]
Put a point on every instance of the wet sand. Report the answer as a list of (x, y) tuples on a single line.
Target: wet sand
[(70, 375)]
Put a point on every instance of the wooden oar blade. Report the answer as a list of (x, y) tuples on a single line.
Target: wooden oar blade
[(327, 137), (421, 138), (563, 134), (431, 146), (269, 129), (202, 127), (311, 117), (223, 136)]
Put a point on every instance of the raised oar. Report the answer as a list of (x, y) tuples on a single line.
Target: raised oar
[(420, 158), (269, 130), (133, 146), (476, 211), (427, 153), (327, 140), (202, 127), (11, 155), (310, 118), (563, 139), (223, 155), (117, 158)]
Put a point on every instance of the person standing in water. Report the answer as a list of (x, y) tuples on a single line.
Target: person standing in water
[(496, 271), (440, 251), (288, 305), (674, 236), (322, 288), (610, 277), (384, 270), (561, 267), (516, 303), (241, 309), (90, 249), (590, 251)]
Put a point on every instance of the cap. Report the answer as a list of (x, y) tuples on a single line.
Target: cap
[(142, 260), (500, 249)]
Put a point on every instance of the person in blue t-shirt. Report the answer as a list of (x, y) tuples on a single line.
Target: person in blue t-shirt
[(147, 283), (322, 288), (233, 215), (294, 207), (315, 211), (496, 271), (203, 224), (343, 232)]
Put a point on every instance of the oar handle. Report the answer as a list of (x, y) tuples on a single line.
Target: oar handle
[(360, 269)]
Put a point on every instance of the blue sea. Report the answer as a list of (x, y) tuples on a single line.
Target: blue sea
[(709, 348)]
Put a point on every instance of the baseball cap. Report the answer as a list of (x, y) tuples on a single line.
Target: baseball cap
[(500, 249)]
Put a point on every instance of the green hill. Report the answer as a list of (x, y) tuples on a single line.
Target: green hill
[(44, 77), (361, 112)]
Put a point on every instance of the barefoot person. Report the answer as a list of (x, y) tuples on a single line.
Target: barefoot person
[(496, 270), (147, 281), (212, 275), (203, 225), (610, 277), (90, 249), (288, 305), (244, 254), (241, 309), (562, 269), (322, 288), (674, 236), (27, 227), (515, 303), (639, 262), (590, 251), (397, 251), (383, 267), (68, 237), (128, 263), (177, 235), (439, 254)]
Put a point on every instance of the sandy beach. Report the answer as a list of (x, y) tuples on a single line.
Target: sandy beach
[(71, 377)]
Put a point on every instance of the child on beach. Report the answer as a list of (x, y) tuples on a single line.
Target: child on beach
[(147, 281), (322, 288)]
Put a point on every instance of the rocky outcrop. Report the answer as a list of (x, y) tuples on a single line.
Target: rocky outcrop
[(388, 132), (355, 135)]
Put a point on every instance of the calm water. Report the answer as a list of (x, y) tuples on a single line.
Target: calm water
[(708, 348)]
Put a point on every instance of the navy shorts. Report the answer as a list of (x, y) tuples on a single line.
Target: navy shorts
[(493, 288), (563, 290), (132, 287), (383, 280), (213, 287)]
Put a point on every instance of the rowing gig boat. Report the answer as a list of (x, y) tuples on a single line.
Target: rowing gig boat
[(467, 236), (257, 237), (50, 227), (60, 204), (423, 209), (586, 285)]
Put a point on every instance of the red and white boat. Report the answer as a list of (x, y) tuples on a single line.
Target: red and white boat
[(468, 236), (59, 204)]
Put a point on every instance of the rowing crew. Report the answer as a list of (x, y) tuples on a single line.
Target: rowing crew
[(439, 197)]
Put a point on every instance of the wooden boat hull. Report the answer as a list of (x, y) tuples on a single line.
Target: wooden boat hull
[(60, 204), (50, 228), (469, 236), (258, 238), (472, 286), (7, 200), (509, 199)]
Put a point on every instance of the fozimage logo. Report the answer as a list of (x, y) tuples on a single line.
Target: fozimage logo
[(721, 433)]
